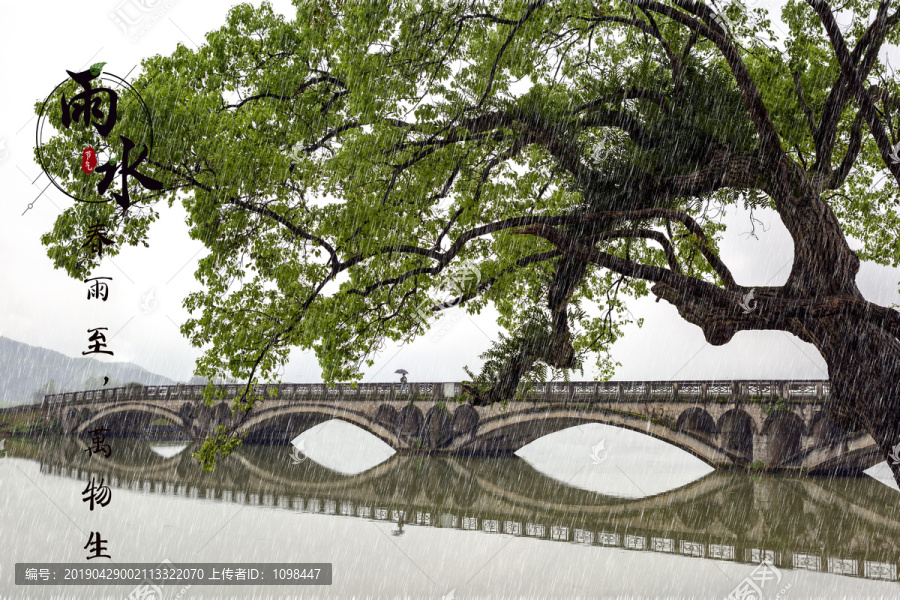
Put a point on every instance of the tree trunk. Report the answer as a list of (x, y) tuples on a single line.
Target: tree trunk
[(555, 350), (864, 369), (820, 303)]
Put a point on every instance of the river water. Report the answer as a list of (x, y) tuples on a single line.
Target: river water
[(612, 519)]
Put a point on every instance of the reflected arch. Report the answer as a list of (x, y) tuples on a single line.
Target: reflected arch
[(338, 483)]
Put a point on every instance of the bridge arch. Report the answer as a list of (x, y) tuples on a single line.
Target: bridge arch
[(518, 429), (411, 420), (696, 420), (834, 450), (851, 455), (824, 431), (321, 413), (131, 407), (736, 430)]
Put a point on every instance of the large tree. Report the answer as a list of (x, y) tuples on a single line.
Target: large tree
[(343, 165)]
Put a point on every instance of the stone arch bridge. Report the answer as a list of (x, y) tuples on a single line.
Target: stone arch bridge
[(778, 425)]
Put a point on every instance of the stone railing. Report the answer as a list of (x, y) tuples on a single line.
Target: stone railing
[(578, 392)]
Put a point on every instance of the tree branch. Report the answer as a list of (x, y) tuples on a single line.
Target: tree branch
[(770, 142), (648, 234), (810, 118), (848, 69)]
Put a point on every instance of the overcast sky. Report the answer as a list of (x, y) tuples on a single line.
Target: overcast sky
[(44, 307)]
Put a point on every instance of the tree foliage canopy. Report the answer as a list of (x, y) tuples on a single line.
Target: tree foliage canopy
[(345, 165)]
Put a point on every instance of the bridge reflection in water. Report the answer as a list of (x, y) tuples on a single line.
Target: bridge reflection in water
[(844, 526)]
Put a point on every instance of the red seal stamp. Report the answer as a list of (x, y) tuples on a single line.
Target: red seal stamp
[(88, 160)]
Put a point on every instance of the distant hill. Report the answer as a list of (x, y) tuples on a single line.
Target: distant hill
[(26, 370)]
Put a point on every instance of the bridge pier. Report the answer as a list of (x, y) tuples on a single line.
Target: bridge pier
[(761, 448)]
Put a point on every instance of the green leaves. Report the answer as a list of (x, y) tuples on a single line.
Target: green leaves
[(219, 445), (96, 68)]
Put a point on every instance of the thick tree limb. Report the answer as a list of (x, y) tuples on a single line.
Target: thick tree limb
[(855, 84), (841, 93), (853, 148), (718, 311)]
